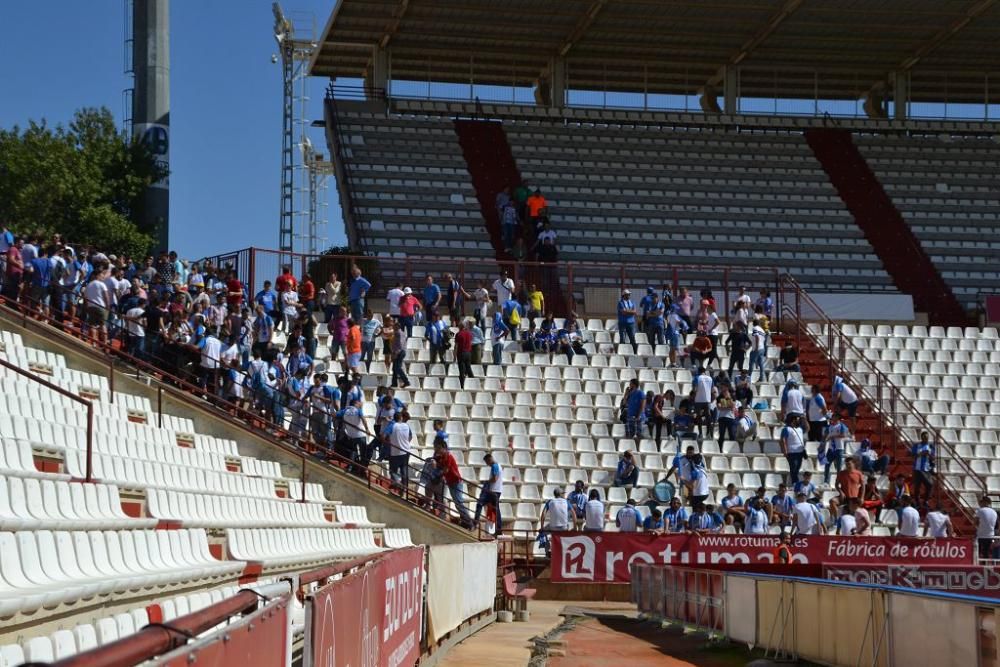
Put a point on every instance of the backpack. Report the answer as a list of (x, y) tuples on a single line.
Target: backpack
[(515, 317)]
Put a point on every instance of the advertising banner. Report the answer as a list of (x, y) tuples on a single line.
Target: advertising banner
[(605, 557), (257, 639), (968, 579), (461, 582), (370, 617)]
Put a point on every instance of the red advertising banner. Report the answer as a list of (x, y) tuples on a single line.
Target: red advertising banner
[(969, 579), (605, 557), (258, 639), (992, 309), (371, 617)]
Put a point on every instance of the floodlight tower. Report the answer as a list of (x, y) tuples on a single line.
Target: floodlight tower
[(149, 47), (294, 52)]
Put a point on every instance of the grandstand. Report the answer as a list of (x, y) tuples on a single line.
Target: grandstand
[(131, 495)]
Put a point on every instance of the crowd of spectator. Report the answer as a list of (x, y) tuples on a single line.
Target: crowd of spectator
[(199, 322)]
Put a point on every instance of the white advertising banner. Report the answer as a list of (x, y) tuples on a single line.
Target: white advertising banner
[(461, 582)]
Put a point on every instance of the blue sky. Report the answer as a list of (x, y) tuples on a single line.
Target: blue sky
[(225, 103)]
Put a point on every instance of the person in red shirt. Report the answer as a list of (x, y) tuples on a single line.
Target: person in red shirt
[(408, 306), (234, 292), (448, 466), (307, 293), (286, 281), (463, 351), (14, 271)]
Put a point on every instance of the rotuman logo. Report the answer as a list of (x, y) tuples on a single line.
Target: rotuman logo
[(579, 554)]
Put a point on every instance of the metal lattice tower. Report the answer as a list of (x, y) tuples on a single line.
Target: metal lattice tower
[(298, 229), (319, 171)]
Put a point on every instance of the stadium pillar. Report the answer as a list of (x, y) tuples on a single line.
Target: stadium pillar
[(151, 106), (558, 100), (900, 94), (730, 89), (377, 77)]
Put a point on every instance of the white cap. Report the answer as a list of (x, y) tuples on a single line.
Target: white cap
[(407, 290)]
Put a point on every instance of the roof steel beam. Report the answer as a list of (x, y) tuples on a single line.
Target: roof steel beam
[(768, 29)]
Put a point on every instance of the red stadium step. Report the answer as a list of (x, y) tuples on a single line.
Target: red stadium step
[(493, 169), (903, 257), (815, 367)]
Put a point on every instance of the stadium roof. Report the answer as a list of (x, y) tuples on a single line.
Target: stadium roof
[(784, 48)]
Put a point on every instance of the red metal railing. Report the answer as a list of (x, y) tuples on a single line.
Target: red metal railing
[(801, 315), (73, 397), (250, 421)]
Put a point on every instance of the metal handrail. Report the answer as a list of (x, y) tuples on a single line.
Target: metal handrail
[(70, 395), (837, 341), (229, 410)]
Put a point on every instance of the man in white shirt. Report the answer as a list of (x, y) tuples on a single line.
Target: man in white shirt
[(555, 512), (393, 297), (504, 287), (938, 524), (909, 519), (986, 527), (211, 354), (399, 451), (807, 519), (355, 430), (628, 519), (593, 512), (862, 520), (97, 304), (794, 447), (704, 393), (846, 524), (135, 325), (792, 404)]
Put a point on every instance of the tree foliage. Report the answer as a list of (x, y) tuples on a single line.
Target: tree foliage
[(84, 181)]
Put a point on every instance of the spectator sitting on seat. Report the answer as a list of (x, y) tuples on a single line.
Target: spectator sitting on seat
[(806, 486), (746, 423), (684, 423), (870, 461), (628, 519), (654, 522), (627, 473), (743, 392), (788, 359), (871, 498), (909, 519), (733, 506), (594, 513), (701, 522), (846, 524), (578, 500), (529, 340), (676, 517), (782, 505), (862, 520), (700, 351), (894, 496)]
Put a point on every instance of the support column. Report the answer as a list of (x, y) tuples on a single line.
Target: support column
[(377, 76), (558, 68), (900, 94), (730, 89)]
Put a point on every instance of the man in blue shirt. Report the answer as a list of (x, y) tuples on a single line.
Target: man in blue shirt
[(655, 324), (497, 335), (835, 440), (627, 473), (268, 298), (626, 320), (923, 468), (357, 292), (654, 522), (676, 517), (508, 308), (628, 518), (432, 297), (783, 504), (806, 486), (635, 406), (645, 305), (437, 335), (40, 269), (578, 500)]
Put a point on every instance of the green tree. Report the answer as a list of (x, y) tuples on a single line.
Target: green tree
[(84, 181)]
